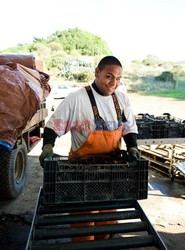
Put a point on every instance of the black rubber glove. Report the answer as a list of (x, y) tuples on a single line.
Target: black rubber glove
[(47, 153), (133, 154)]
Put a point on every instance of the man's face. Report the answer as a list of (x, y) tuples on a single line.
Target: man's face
[(108, 79)]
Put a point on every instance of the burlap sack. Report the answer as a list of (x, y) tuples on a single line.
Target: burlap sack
[(21, 91)]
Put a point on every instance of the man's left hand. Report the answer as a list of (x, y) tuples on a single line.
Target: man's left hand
[(134, 154)]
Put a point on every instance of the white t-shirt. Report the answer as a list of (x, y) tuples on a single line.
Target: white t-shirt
[(75, 114)]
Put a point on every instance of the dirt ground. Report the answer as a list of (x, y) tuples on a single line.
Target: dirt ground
[(165, 206)]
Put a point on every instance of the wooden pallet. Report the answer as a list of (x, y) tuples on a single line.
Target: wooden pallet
[(164, 158)]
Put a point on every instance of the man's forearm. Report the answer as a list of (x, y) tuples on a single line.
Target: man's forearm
[(130, 140), (49, 136)]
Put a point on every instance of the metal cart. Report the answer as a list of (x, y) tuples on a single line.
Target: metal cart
[(91, 186), (50, 227)]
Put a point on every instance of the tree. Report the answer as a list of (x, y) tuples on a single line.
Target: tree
[(84, 42), (166, 76), (57, 49)]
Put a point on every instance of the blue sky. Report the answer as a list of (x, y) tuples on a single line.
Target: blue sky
[(133, 29)]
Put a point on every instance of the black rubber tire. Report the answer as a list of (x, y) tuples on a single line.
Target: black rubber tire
[(13, 168)]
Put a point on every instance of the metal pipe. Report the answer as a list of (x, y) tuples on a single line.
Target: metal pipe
[(67, 219), (54, 233), (121, 243), (76, 207)]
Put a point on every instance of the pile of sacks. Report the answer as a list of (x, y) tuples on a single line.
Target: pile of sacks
[(22, 89)]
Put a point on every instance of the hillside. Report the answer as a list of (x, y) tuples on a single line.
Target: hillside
[(72, 55)]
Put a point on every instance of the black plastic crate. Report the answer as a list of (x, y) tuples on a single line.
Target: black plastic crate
[(150, 127), (174, 126), (175, 130), (144, 126), (163, 126), (159, 129), (93, 180), (143, 131)]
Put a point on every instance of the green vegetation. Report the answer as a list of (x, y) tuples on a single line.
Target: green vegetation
[(76, 40), (177, 94), (71, 56), (154, 77), (71, 41), (166, 76)]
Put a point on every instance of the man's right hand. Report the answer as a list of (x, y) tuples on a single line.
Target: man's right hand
[(47, 152)]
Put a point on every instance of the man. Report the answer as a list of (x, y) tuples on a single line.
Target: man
[(97, 116)]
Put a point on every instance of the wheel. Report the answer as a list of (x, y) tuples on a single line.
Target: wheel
[(13, 166)]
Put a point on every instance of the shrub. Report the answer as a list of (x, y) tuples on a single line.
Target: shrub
[(167, 77), (83, 76)]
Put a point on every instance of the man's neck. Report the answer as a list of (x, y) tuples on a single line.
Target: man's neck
[(95, 87)]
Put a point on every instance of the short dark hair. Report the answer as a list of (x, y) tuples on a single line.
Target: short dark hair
[(108, 60)]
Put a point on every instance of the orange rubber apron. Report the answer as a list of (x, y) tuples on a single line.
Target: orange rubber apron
[(98, 142)]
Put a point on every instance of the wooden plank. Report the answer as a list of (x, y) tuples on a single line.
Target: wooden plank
[(37, 118)]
